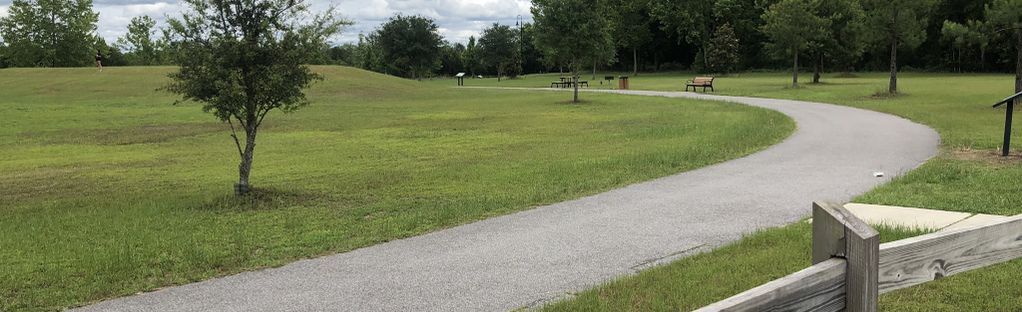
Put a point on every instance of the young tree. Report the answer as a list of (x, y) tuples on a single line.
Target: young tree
[(791, 26), (957, 36), (497, 48), (980, 36), (1007, 14), (50, 33), (573, 33), (141, 43), (243, 59), (896, 24), (722, 53), (410, 44)]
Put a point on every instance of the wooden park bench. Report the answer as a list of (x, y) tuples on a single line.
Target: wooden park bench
[(705, 82)]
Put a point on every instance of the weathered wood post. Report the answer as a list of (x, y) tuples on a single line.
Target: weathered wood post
[(838, 233)]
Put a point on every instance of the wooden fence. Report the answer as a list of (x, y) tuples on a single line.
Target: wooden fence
[(851, 268)]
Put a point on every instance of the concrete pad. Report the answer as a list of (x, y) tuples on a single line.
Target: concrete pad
[(906, 217), (974, 221)]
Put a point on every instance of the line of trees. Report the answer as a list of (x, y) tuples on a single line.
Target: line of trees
[(713, 36), (723, 36)]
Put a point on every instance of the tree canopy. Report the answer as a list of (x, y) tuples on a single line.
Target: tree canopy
[(1007, 14), (141, 43), (411, 45), (498, 47), (50, 33), (242, 59), (896, 24), (791, 25), (573, 33)]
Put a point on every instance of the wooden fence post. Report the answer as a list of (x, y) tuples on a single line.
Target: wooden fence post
[(839, 233)]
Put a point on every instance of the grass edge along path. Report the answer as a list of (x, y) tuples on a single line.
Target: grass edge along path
[(963, 178), (107, 189)]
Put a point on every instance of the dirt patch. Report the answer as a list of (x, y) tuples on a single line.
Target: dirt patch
[(262, 199), (990, 157)]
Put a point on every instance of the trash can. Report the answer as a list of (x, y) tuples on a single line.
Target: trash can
[(622, 83)]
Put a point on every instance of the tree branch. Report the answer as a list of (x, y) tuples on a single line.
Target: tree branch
[(234, 134)]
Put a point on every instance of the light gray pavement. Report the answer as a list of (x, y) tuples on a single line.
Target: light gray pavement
[(530, 257), (921, 218)]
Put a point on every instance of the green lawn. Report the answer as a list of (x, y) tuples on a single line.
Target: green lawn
[(107, 189), (967, 176), (697, 281)]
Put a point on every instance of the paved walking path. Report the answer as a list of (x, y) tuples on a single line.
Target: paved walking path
[(530, 257)]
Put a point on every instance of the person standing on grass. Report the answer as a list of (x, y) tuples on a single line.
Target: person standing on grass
[(99, 60)]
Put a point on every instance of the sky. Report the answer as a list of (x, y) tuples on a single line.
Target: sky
[(457, 19)]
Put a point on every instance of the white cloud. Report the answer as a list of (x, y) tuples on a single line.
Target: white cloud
[(458, 19), (114, 19)]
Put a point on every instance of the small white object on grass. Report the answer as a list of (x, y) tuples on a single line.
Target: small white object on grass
[(878, 174)]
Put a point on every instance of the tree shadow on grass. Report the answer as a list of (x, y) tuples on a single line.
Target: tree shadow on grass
[(262, 199)]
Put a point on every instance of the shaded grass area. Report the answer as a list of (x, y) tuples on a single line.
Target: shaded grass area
[(967, 176), (106, 189)]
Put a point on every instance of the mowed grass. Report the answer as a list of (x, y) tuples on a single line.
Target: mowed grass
[(968, 176), (107, 189), (703, 279)]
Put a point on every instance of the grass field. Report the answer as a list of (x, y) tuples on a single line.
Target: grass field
[(967, 176), (703, 279), (106, 189)]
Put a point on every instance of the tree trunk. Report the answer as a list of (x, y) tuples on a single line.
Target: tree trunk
[(893, 88), (706, 58), (982, 59), (245, 167), (1018, 61), (575, 80), (594, 71), (635, 61), (794, 72), (818, 69)]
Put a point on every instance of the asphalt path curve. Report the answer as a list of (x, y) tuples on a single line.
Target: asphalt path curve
[(531, 257)]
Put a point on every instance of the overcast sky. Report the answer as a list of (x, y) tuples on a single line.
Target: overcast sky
[(458, 19)]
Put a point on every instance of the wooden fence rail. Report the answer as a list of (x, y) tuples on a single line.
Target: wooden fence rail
[(851, 269)]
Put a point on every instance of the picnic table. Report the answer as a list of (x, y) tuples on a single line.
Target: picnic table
[(567, 81)]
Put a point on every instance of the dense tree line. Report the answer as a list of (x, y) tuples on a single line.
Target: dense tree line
[(721, 36), (713, 36)]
